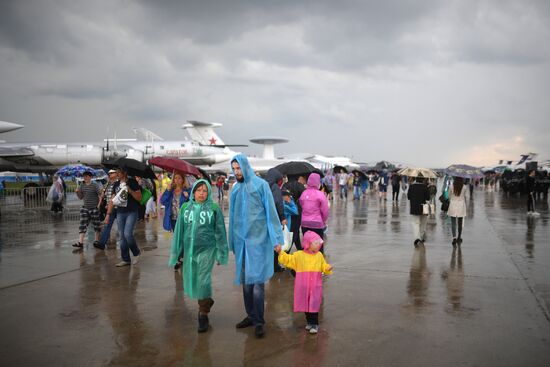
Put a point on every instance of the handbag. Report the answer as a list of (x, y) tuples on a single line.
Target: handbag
[(146, 194), (426, 208), (287, 235), (121, 197)]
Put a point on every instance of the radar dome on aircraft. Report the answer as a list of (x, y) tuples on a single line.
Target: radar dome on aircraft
[(268, 142)]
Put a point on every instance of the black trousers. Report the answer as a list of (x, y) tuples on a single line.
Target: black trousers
[(531, 202), (295, 229), (312, 318), (395, 192)]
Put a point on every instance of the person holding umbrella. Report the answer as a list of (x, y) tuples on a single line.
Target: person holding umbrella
[(173, 198), (418, 195)]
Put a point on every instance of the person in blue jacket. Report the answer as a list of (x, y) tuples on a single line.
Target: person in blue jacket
[(290, 207), (254, 232), (173, 198)]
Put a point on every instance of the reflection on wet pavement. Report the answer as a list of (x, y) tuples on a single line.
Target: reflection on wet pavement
[(387, 303)]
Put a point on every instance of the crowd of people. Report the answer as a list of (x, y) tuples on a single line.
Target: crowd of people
[(267, 217)]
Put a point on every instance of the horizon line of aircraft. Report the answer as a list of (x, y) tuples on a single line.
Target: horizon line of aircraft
[(205, 149)]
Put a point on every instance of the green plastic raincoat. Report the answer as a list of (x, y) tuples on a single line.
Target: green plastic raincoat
[(200, 229)]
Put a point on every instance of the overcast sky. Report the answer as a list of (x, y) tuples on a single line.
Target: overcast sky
[(423, 82)]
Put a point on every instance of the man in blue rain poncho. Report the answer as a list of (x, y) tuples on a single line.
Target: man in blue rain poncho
[(254, 231)]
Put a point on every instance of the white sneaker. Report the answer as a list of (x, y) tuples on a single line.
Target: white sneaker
[(308, 327), (314, 329), (136, 260), (122, 263)]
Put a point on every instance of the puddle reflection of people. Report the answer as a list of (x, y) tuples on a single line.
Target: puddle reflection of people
[(419, 278), (454, 277), (311, 351), (530, 236), (129, 329)]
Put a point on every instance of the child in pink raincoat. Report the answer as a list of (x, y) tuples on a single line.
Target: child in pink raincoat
[(309, 265)]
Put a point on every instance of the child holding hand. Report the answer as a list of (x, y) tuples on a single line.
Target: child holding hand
[(309, 265)]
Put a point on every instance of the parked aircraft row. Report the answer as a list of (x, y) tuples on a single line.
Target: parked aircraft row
[(205, 149)]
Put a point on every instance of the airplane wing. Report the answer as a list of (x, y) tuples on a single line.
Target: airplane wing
[(14, 152)]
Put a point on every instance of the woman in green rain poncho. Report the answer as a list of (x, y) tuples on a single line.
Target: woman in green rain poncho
[(200, 231)]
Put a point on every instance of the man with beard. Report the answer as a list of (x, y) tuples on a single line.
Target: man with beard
[(254, 232)]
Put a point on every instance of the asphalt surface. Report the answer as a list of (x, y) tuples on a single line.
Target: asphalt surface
[(387, 303)]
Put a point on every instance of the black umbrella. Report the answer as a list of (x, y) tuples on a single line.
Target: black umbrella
[(339, 169), (319, 172), (132, 167), (384, 165), (296, 168), (362, 174)]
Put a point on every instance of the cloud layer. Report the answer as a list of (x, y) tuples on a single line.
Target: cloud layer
[(430, 83)]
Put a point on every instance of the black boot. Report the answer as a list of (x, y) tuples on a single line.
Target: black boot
[(203, 323)]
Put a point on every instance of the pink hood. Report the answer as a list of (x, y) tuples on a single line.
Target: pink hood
[(314, 181), (310, 237)]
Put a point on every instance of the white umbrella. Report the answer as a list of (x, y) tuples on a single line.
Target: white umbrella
[(417, 172)]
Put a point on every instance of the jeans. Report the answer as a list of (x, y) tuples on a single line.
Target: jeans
[(106, 231), (126, 222), (343, 191), (419, 226), (253, 295), (356, 192)]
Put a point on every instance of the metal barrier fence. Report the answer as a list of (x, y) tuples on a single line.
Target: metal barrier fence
[(33, 197)]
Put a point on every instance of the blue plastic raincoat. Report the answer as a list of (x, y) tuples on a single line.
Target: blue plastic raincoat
[(254, 226), (200, 230)]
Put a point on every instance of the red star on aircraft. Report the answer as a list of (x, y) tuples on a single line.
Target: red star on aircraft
[(212, 141)]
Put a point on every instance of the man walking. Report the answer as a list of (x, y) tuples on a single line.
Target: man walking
[(105, 199), (89, 193), (254, 232)]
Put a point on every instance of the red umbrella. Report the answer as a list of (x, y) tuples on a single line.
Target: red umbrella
[(175, 165)]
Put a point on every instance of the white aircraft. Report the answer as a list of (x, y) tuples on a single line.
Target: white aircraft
[(520, 164), (8, 126), (49, 157)]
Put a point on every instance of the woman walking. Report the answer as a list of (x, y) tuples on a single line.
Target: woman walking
[(314, 206), (200, 233), (457, 209), (173, 198)]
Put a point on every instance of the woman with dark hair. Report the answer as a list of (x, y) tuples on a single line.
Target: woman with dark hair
[(457, 209), (127, 216)]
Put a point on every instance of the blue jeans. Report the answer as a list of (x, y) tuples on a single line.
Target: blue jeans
[(253, 295), (126, 222), (106, 231), (343, 192), (356, 192)]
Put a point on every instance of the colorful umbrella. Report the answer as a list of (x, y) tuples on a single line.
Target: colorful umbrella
[(75, 170), (171, 164), (464, 171), (417, 172)]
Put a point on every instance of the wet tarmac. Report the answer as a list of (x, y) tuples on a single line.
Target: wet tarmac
[(387, 304)]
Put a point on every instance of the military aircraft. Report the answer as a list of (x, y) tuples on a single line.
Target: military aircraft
[(8, 126), (49, 157)]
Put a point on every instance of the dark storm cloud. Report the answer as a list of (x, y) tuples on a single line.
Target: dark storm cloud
[(349, 71)]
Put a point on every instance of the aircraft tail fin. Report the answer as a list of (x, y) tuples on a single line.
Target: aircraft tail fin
[(147, 135), (203, 132)]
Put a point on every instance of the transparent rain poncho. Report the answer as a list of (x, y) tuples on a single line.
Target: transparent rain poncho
[(200, 230), (254, 226)]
